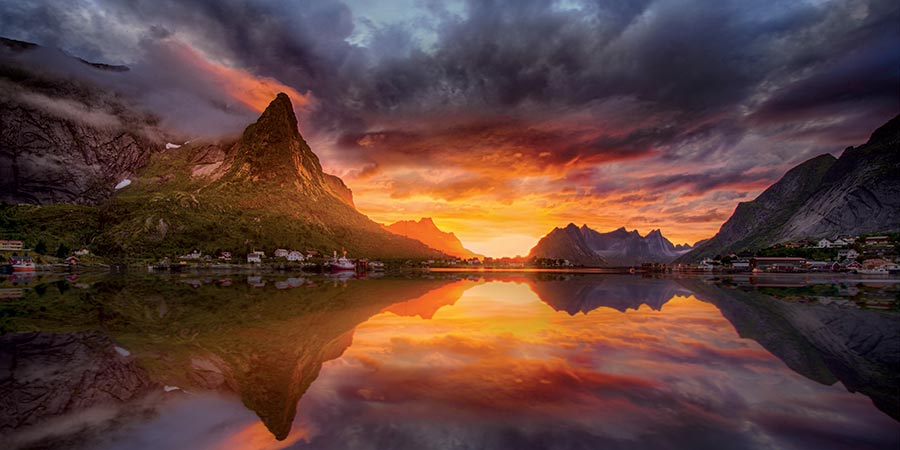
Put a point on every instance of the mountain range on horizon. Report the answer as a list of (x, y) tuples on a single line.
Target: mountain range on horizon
[(587, 247)]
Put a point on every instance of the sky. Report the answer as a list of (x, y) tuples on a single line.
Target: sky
[(504, 119)]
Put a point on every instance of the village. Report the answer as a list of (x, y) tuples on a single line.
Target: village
[(864, 255)]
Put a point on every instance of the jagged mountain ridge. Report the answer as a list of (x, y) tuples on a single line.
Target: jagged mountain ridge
[(822, 197), (620, 247), (424, 230)]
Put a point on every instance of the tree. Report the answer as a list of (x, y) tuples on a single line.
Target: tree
[(40, 248), (62, 251)]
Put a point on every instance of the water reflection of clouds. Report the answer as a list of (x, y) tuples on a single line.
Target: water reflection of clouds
[(500, 369)]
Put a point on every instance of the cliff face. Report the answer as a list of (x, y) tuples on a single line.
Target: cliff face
[(428, 233), (859, 194), (619, 247), (822, 197), (63, 140)]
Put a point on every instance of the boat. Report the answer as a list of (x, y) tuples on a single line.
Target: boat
[(22, 264), (341, 264), (893, 269), (873, 271), (376, 266)]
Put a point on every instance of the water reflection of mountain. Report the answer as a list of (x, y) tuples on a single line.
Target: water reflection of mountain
[(824, 343), (265, 344), (584, 293), (427, 305)]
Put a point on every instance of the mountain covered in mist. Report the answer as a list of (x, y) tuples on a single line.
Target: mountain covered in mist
[(587, 247), (63, 138), (820, 198), (424, 230), (84, 167)]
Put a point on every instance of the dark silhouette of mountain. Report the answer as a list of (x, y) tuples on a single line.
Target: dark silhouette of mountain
[(620, 247), (584, 293), (425, 231), (822, 197)]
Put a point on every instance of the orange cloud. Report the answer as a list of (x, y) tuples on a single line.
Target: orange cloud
[(252, 91)]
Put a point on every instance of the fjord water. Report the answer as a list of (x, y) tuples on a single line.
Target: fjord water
[(495, 362)]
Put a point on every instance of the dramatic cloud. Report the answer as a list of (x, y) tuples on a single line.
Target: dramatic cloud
[(428, 107)]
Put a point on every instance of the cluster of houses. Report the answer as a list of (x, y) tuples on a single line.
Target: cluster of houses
[(877, 250), (255, 257), (845, 241)]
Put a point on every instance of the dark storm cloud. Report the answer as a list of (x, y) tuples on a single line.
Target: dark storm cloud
[(692, 58), (701, 183)]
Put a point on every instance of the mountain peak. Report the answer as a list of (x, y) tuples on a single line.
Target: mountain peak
[(279, 116), (272, 149), (887, 132)]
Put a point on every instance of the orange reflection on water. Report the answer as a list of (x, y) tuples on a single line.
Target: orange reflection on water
[(500, 349), (499, 359), (256, 436)]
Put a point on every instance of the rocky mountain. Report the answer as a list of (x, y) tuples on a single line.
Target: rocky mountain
[(266, 190), (64, 139), (424, 230), (822, 197), (620, 247)]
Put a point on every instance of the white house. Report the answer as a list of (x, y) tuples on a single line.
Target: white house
[(295, 256), (281, 253), (824, 243), (255, 257), (81, 252), (848, 253), (839, 243)]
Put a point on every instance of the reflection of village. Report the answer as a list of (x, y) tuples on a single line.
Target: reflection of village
[(281, 259)]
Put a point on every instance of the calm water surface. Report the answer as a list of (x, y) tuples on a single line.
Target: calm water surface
[(483, 362)]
